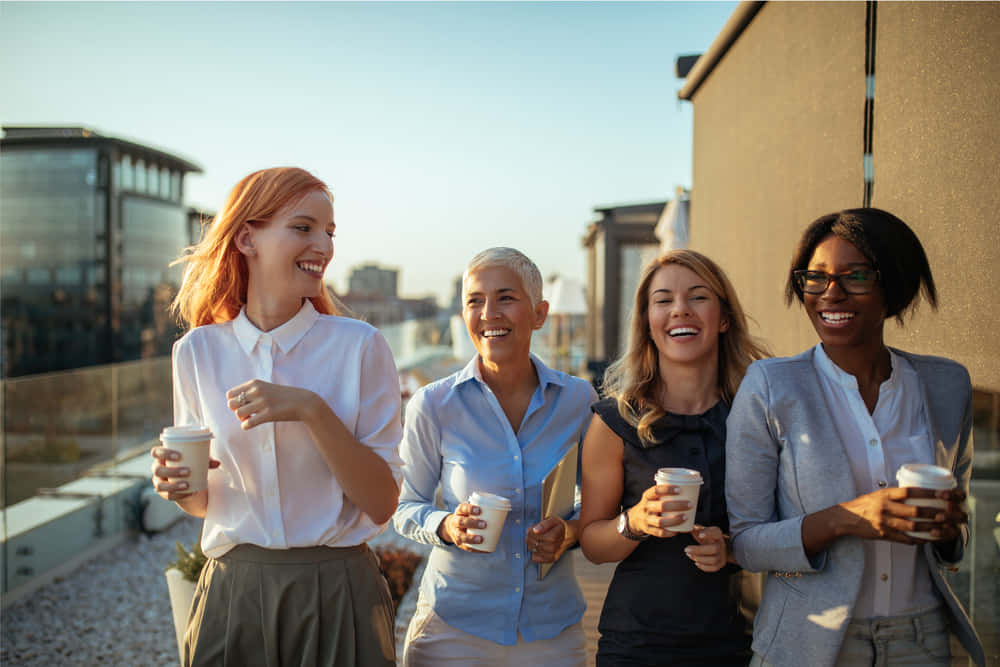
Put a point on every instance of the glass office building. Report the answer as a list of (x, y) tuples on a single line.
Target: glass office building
[(89, 225)]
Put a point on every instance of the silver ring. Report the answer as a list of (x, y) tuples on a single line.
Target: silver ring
[(243, 398)]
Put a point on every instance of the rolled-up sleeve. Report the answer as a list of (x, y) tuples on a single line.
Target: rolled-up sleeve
[(762, 540), (417, 518)]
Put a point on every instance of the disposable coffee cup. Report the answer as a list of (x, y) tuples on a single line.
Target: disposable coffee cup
[(925, 476), (494, 511), (192, 443), (688, 483)]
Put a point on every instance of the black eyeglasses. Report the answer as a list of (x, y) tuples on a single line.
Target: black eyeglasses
[(856, 281)]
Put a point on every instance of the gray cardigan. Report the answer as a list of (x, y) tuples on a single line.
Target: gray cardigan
[(784, 460)]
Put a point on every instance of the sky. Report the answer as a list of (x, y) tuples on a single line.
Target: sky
[(441, 128)]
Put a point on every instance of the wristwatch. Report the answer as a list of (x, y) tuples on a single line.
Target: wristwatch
[(626, 531)]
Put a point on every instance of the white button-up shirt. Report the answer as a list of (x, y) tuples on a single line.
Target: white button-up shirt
[(274, 489), (896, 579)]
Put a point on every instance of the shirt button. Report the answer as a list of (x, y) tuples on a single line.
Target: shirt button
[(516, 457), (517, 555), (517, 491), (882, 483), (884, 577), (517, 590), (517, 521), (873, 442)]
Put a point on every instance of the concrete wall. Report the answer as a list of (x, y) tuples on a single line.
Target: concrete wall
[(778, 141), (936, 148)]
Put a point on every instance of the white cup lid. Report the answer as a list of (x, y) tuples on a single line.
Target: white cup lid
[(186, 433), (677, 476), (490, 500), (925, 475)]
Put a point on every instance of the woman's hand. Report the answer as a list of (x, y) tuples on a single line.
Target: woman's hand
[(882, 515), (454, 528), (548, 539), (163, 473), (711, 552), (257, 402), (194, 503), (655, 512)]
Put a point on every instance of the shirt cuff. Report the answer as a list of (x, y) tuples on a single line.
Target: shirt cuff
[(431, 525)]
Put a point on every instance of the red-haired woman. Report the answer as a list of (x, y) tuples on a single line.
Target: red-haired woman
[(304, 409)]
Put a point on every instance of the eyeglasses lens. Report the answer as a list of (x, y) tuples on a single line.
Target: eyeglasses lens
[(853, 282)]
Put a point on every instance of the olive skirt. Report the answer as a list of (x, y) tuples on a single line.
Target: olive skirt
[(291, 607)]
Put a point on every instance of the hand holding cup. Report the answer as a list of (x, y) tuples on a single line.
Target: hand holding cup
[(660, 510), (455, 527), (188, 445)]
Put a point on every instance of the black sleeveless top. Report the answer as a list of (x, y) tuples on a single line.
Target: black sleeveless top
[(660, 609)]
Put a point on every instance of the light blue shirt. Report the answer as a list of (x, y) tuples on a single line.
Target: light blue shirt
[(456, 433)]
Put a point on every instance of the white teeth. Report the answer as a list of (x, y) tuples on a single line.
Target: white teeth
[(682, 331), (310, 266), (490, 333), (836, 317)]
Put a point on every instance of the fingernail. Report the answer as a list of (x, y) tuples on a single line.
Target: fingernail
[(687, 550), (174, 456), (474, 510), (477, 538), (182, 485), (183, 471), (480, 524)]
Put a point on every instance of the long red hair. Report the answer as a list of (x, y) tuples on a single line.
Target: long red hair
[(214, 288)]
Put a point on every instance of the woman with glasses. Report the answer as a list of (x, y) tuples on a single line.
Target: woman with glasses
[(813, 445)]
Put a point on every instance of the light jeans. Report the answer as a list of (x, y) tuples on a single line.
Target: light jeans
[(917, 639), (431, 642)]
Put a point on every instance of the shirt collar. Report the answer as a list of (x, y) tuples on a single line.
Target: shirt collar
[(286, 336), (841, 377), (546, 375)]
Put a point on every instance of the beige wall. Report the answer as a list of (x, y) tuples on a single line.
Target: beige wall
[(778, 141), (936, 148)]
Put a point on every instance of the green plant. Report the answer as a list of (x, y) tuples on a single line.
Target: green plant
[(398, 567), (189, 562)]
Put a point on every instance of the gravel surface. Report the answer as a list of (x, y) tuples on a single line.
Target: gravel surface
[(114, 610)]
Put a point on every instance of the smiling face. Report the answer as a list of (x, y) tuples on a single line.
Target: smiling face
[(499, 316), (287, 256), (685, 317), (842, 319)]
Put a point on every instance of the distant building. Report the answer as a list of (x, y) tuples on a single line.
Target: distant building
[(617, 246), (372, 279), (89, 225), (380, 311)]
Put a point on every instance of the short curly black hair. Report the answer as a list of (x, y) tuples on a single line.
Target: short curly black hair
[(886, 241)]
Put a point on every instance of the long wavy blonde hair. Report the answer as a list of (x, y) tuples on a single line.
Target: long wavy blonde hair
[(214, 288), (634, 379)]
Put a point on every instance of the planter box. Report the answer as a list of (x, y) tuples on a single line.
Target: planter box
[(181, 593)]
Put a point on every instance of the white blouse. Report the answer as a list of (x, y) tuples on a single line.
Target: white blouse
[(896, 579), (274, 489)]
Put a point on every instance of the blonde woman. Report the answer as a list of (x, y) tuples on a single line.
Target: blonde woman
[(672, 599), (304, 407)]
